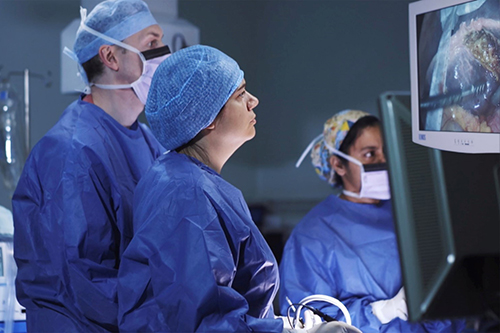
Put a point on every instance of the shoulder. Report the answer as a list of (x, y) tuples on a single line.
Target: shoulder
[(76, 127), (172, 190), (179, 167), (73, 139), (172, 177), (319, 224), (321, 214)]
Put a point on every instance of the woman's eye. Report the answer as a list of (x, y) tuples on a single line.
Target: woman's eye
[(153, 43), (242, 93)]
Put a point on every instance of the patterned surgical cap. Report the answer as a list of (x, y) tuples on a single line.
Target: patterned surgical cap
[(334, 132)]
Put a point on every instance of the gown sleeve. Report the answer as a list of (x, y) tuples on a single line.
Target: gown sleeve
[(305, 272), (66, 240), (180, 271), (309, 266)]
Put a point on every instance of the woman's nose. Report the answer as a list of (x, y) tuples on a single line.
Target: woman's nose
[(252, 102)]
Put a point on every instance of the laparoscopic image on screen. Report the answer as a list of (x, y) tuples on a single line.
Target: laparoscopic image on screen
[(459, 68)]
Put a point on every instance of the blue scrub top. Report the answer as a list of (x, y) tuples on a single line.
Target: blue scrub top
[(349, 251), (73, 218), (197, 261)]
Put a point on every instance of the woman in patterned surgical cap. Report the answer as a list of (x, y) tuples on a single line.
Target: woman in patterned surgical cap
[(346, 246)]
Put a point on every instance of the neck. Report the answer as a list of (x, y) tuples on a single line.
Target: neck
[(121, 104), (359, 200), (212, 153)]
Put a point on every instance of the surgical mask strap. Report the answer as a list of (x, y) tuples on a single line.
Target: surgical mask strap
[(351, 194), (309, 147), (347, 157), (351, 159), (331, 149), (81, 72), (83, 14)]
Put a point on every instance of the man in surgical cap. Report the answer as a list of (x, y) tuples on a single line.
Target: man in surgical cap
[(73, 204)]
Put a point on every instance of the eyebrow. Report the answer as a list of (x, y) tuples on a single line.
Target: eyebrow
[(369, 148), (155, 34), (242, 86)]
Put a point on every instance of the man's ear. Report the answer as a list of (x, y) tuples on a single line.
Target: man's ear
[(337, 165), (108, 58)]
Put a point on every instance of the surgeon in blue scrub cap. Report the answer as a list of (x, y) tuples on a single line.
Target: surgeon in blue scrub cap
[(197, 262), (346, 246), (73, 204)]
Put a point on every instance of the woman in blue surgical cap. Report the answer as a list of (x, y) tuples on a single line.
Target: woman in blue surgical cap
[(346, 246), (197, 261)]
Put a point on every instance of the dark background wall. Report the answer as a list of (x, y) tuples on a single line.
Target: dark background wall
[(305, 60)]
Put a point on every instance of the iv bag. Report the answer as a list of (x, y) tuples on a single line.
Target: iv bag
[(12, 146)]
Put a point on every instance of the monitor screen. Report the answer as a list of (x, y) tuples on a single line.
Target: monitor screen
[(455, 74), (447, 218)]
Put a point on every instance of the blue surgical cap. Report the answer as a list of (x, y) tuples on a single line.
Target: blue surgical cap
[(188, 90), (117, 19)]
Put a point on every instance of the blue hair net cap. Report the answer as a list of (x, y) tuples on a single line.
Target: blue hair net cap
[(188, 90), (117, 19)]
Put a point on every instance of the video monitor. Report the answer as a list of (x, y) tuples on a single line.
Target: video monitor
[(455, 74), (446, 208)]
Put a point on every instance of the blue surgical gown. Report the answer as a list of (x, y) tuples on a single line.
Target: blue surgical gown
[(73, 218), (197, 261), (349, 251)]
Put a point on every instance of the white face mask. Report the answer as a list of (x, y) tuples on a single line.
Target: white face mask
[(374, 179), (150, 61)]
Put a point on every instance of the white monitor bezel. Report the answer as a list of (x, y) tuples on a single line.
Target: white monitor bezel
[(462, 142), (4, 251)]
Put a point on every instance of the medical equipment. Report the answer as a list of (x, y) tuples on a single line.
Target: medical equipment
[(10, 309), (454, 79), (309, 319), (15, 126), (446, 213), (12, 149)]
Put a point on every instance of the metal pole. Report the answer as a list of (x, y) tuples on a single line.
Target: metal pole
[(27, 109)]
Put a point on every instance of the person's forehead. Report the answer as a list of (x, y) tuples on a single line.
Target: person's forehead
[(369, 137), (153, 30)]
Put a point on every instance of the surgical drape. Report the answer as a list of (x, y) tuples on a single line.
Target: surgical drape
[(197, 261), (349, 251), (73, 218)]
